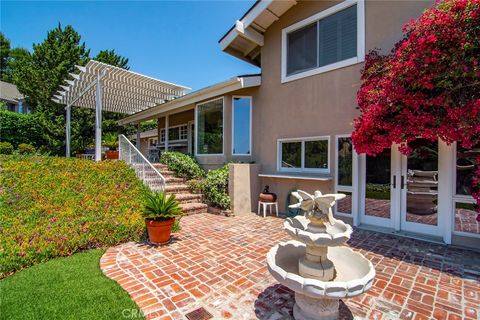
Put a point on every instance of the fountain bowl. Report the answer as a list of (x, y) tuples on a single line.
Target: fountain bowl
[(354, 273), (336, 234)]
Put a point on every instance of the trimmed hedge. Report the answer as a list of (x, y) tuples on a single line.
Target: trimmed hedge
[(182, 164), (52, 207), (26, 148), (18, 128), (6, 148), (215, 188)]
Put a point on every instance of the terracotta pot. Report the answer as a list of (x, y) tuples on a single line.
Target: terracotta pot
[(159, 231), (111, 154), (267, 197)]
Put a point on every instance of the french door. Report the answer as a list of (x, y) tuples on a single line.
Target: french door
[(400, 192), (419, 188)]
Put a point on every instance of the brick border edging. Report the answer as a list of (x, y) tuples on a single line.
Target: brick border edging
[(149, 306)]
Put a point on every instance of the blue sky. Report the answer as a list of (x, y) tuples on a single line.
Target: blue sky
[(176, 41)]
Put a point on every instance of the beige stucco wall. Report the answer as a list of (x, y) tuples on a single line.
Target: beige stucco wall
[(243, 187), (319, 105)]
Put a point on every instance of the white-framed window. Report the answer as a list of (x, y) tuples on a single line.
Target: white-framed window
[(331, 39), (241, 126), (464, 217), (209, 133), (310, 154), (183, 132), (175, 133)]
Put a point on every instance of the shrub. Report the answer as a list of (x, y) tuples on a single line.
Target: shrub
[(182, 164), (54, 207), (6, 148), (196, 185), (25, 148), (19, 128), (215, 188)]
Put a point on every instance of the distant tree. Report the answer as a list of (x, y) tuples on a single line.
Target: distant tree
[(110, 57), (4, 54), (40, 76)]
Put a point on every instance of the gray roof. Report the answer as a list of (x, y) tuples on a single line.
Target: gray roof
[(9, 92)]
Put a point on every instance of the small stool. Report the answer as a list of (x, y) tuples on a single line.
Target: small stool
[(265, 205)]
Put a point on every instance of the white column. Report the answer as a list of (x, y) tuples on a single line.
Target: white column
[(98, 120), (446, 165), (166, 133), (67, 127), (138, 142)]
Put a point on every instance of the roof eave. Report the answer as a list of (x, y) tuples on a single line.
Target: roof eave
[(216, 90)]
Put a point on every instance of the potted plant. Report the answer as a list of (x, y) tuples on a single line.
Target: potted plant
[(111, 142), (160, 212)]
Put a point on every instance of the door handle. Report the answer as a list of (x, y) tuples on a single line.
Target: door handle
[(394, 184), (402, 182)]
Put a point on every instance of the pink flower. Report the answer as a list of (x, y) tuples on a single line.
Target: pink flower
[(53, 219), (21, 254)]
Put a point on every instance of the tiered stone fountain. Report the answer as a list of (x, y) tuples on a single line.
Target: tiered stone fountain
[(316, 265)]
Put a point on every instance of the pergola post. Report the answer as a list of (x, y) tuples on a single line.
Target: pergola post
[(138, 143), (98, 120), (166, 133), (67, 129)]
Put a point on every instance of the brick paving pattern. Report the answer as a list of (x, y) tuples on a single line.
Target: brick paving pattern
[(219, 263)]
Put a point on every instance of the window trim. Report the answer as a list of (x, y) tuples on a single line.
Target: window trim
[(233, 127), (223, 131), (336, 65), (302, 168)]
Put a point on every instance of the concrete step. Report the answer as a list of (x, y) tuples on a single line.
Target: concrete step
[(160, 166), (174, 180), (193, 208), (188, 197), (177, 188), (167, 173)]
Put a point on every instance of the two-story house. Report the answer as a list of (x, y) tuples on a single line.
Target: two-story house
[(291, 125)]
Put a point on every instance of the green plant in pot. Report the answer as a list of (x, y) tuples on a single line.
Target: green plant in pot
[(160, 213), (110, 140)]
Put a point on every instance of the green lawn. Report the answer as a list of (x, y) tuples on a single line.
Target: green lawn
[(65, 288)]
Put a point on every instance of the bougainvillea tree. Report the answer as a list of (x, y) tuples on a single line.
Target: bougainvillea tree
[(427, 87)]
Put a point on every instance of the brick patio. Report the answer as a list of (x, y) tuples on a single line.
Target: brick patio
[(219, 263)]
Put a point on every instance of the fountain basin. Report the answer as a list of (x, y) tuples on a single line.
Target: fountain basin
[(336, 234), (354, 273)]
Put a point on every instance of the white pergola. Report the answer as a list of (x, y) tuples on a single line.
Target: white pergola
[(104, 87)]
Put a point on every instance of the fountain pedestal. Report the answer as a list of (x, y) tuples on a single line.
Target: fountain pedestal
[(308, 308), (316, 265)]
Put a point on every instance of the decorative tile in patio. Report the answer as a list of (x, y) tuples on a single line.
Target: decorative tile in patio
[(219, 263)]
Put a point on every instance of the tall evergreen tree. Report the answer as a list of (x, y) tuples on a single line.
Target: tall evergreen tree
[(48, 66), (110, 57), (4, 55)]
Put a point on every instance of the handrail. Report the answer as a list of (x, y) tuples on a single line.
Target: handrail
[(143, 168)]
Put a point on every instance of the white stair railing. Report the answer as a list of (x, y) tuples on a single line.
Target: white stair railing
[(143, 168)]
